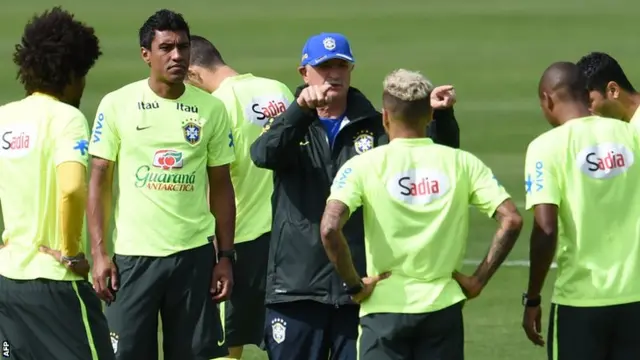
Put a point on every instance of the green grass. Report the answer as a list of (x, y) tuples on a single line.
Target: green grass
[(493, 51)]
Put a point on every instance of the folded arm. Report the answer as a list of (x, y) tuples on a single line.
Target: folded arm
[(510, 225), (335, 244)]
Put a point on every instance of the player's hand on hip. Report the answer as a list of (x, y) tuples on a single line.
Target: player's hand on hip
[(105, 278), (370, 283), (532, 324), (470, 285), (222, 280), (78, 264), (314, 96), (443, 97)]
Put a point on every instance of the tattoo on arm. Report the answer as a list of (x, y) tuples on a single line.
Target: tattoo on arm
[(544, 239), (335, 216), (99, 203), (504, 239)]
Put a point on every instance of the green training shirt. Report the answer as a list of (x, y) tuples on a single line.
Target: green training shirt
[(250, 102), (415, 196), (587, 168), (162, 149)]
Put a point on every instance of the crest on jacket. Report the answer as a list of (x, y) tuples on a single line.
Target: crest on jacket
[(363, 141)]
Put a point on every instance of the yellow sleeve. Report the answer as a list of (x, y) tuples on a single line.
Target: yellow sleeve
[(540, 179), (485, 193), (220, 148), (347, 186), (105, 140), (72, 142), (72, 194)]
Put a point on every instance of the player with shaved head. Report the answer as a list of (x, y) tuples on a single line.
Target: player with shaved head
[(415, 197), (581, 182)]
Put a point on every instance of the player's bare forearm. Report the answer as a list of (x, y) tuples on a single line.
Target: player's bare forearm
[(222, 203), (510, 226), (335, 216), (544, 239), (99, 204), (72, 185)]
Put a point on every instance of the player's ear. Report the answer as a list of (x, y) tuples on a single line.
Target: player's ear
[(302, 70), (146, 55), (547, 101), (385, 119), (613, 90)]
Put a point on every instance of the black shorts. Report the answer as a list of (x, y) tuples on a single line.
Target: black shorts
[(245, 311), (177, 287), (47, 319), (308, 330), (594, 333), (435, 336)]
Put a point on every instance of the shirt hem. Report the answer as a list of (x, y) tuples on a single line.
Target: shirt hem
[(596, 302), (129, 252), (394, 310)]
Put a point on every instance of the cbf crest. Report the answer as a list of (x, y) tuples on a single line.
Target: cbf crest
[(363, 141), (192, 130), (278, 330)]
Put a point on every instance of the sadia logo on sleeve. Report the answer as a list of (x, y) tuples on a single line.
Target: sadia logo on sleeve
[(418, 186), (604, 161)]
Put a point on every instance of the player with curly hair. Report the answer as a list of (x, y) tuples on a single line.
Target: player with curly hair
[(48, 309), (610, 91)]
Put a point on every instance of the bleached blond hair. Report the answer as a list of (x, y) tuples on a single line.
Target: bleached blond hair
[(407, 85)]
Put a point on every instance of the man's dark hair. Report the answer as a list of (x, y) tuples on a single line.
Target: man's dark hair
[(600, 68), (162, 20), (204, 53), (53, 50), (566, 80)]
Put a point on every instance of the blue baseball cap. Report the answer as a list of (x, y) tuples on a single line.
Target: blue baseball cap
[(326, 46)]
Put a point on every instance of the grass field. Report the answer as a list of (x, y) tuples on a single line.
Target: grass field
[(493, 51)]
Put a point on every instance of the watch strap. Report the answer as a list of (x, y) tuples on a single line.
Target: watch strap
[(531, 302), (354, 289)]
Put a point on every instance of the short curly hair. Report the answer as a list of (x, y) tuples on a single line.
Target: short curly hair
[(601, 68), (161, 20), (53, 50)]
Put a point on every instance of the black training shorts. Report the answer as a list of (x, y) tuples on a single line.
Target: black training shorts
[(47, 319)]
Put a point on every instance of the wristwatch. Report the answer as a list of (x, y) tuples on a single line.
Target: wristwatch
[(353, 289), (229, 254), (530, 302), (72, 260)]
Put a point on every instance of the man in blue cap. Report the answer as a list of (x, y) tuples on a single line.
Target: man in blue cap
[(310, 313)]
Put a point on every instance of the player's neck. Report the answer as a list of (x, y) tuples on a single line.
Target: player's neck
[(631, 106), (166, 90), (573, 111), (335, 110), (215, 77), (400, 131)]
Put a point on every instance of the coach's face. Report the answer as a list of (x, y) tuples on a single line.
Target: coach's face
[(169, 55), (336, 72)]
